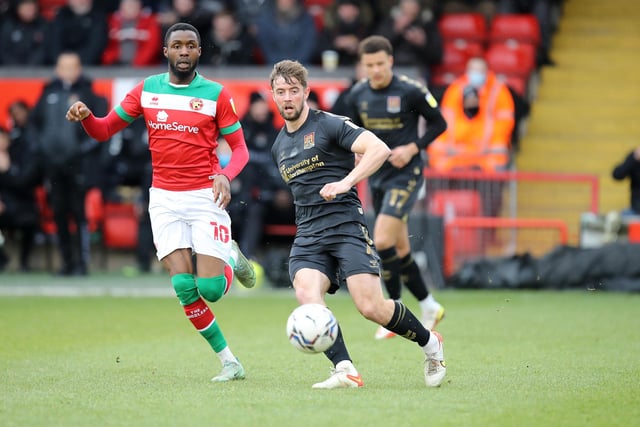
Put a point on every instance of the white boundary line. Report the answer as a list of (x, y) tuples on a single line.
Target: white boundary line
[(85, 291)]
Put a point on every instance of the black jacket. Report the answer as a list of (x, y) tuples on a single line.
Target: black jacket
[(61, 141), (630, 168), (24, 43), (18, 184), (86, 35)]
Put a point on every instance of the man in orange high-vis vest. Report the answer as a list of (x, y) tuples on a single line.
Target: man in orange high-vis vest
[(479, 111)]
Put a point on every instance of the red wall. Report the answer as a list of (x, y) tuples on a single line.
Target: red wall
[(30, 90)]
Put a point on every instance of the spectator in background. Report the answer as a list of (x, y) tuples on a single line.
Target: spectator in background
[(82, 28), (210, 6), (630, 168), (260, 195), (23, 35), (486, 8), (479, 110), (286, 30), (129, 164), (5, 6), (247, 12), (414, 35), (5, 163), (64, 148), (227, 43), (134, 36), (347, 22), (340, 106), (189, 11), (4, 258), (313, 100), (19, 176)]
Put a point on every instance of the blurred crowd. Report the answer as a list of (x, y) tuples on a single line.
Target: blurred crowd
[(240, 32), (43, 154)]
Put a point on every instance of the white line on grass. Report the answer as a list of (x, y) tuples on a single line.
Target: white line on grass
[(85, 291)]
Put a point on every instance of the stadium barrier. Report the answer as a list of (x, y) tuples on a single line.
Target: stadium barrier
[(501, 214)]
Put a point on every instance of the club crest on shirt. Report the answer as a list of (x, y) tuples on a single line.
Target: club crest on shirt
[(196, 104), (162, 116), (393, 104), (309, 141)]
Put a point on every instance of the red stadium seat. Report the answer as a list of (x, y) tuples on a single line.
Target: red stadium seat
[(517, 83), (454, 61), (520, 28), (470, 27), (47, 224), (634, 232), (511, 59), (94, 209), (458, 203), (94, 212), (120, 227)]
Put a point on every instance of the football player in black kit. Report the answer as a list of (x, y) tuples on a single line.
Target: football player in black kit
[(390, 106), (315, 154)]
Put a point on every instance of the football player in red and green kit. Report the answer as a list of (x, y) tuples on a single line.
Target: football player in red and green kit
[(184, 113)]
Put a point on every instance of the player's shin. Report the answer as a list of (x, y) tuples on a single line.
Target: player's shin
[(197, 311), (204, 321), (412, 278), (391, 272), (405, 324), (338, 351)]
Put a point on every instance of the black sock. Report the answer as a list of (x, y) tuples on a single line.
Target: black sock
[(338, 351), (412, 278), (391, 272), (405, 324)]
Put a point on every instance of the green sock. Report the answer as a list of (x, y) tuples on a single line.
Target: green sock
[(215, 338)]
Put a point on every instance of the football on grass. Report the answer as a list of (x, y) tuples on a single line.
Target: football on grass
[(312, 328)]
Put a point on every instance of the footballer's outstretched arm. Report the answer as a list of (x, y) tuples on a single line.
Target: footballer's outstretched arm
[(99, 128)]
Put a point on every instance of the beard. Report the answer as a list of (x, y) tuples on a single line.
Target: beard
[(183, 74), (291, 115)]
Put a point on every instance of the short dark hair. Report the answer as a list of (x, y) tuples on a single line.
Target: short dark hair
[(19, 103), (373, 44), (289, 70), (180, 26)]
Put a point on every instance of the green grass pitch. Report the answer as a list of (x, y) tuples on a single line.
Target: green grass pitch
[(514, 358)]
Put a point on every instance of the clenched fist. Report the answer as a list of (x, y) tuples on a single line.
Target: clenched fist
[(78, 112)]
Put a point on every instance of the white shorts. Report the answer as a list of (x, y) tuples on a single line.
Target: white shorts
[(189, 219)]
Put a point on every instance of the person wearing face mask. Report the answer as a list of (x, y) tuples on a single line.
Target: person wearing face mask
[(479, 110)]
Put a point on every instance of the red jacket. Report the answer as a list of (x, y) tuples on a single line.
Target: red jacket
[(148, 35)]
